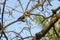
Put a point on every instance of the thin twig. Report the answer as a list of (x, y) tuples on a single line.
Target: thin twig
[(21, 5), (27, 5)]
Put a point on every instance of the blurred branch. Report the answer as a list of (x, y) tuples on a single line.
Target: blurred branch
[(3, 6), (27, 5), (28, 37), (55, 10), (37, 5), (21, 5), (37, 15), (14, 9), (3, 33), (9, 25), (1, 3), (45, 29), (53, 20), (3, 11)]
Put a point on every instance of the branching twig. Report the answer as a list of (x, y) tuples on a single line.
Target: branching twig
[(27, 5), (21, 5), (3, 33), (54, 19)]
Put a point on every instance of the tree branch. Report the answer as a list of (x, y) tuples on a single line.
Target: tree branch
[(53, 20)]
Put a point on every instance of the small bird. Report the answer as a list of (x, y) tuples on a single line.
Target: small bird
[(23, 18), (27, 14)]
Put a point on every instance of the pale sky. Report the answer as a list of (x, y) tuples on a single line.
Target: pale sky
[(19, 25)]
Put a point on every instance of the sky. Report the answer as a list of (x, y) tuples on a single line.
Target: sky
[(17, 27)]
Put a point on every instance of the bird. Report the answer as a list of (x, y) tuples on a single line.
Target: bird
[(23, 18), (27, 14)]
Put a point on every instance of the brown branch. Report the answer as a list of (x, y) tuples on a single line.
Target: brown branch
[(9, 24), (37, 5), (3, 6), (2, 32), (45, 29), (55, 10), (54, 19)]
